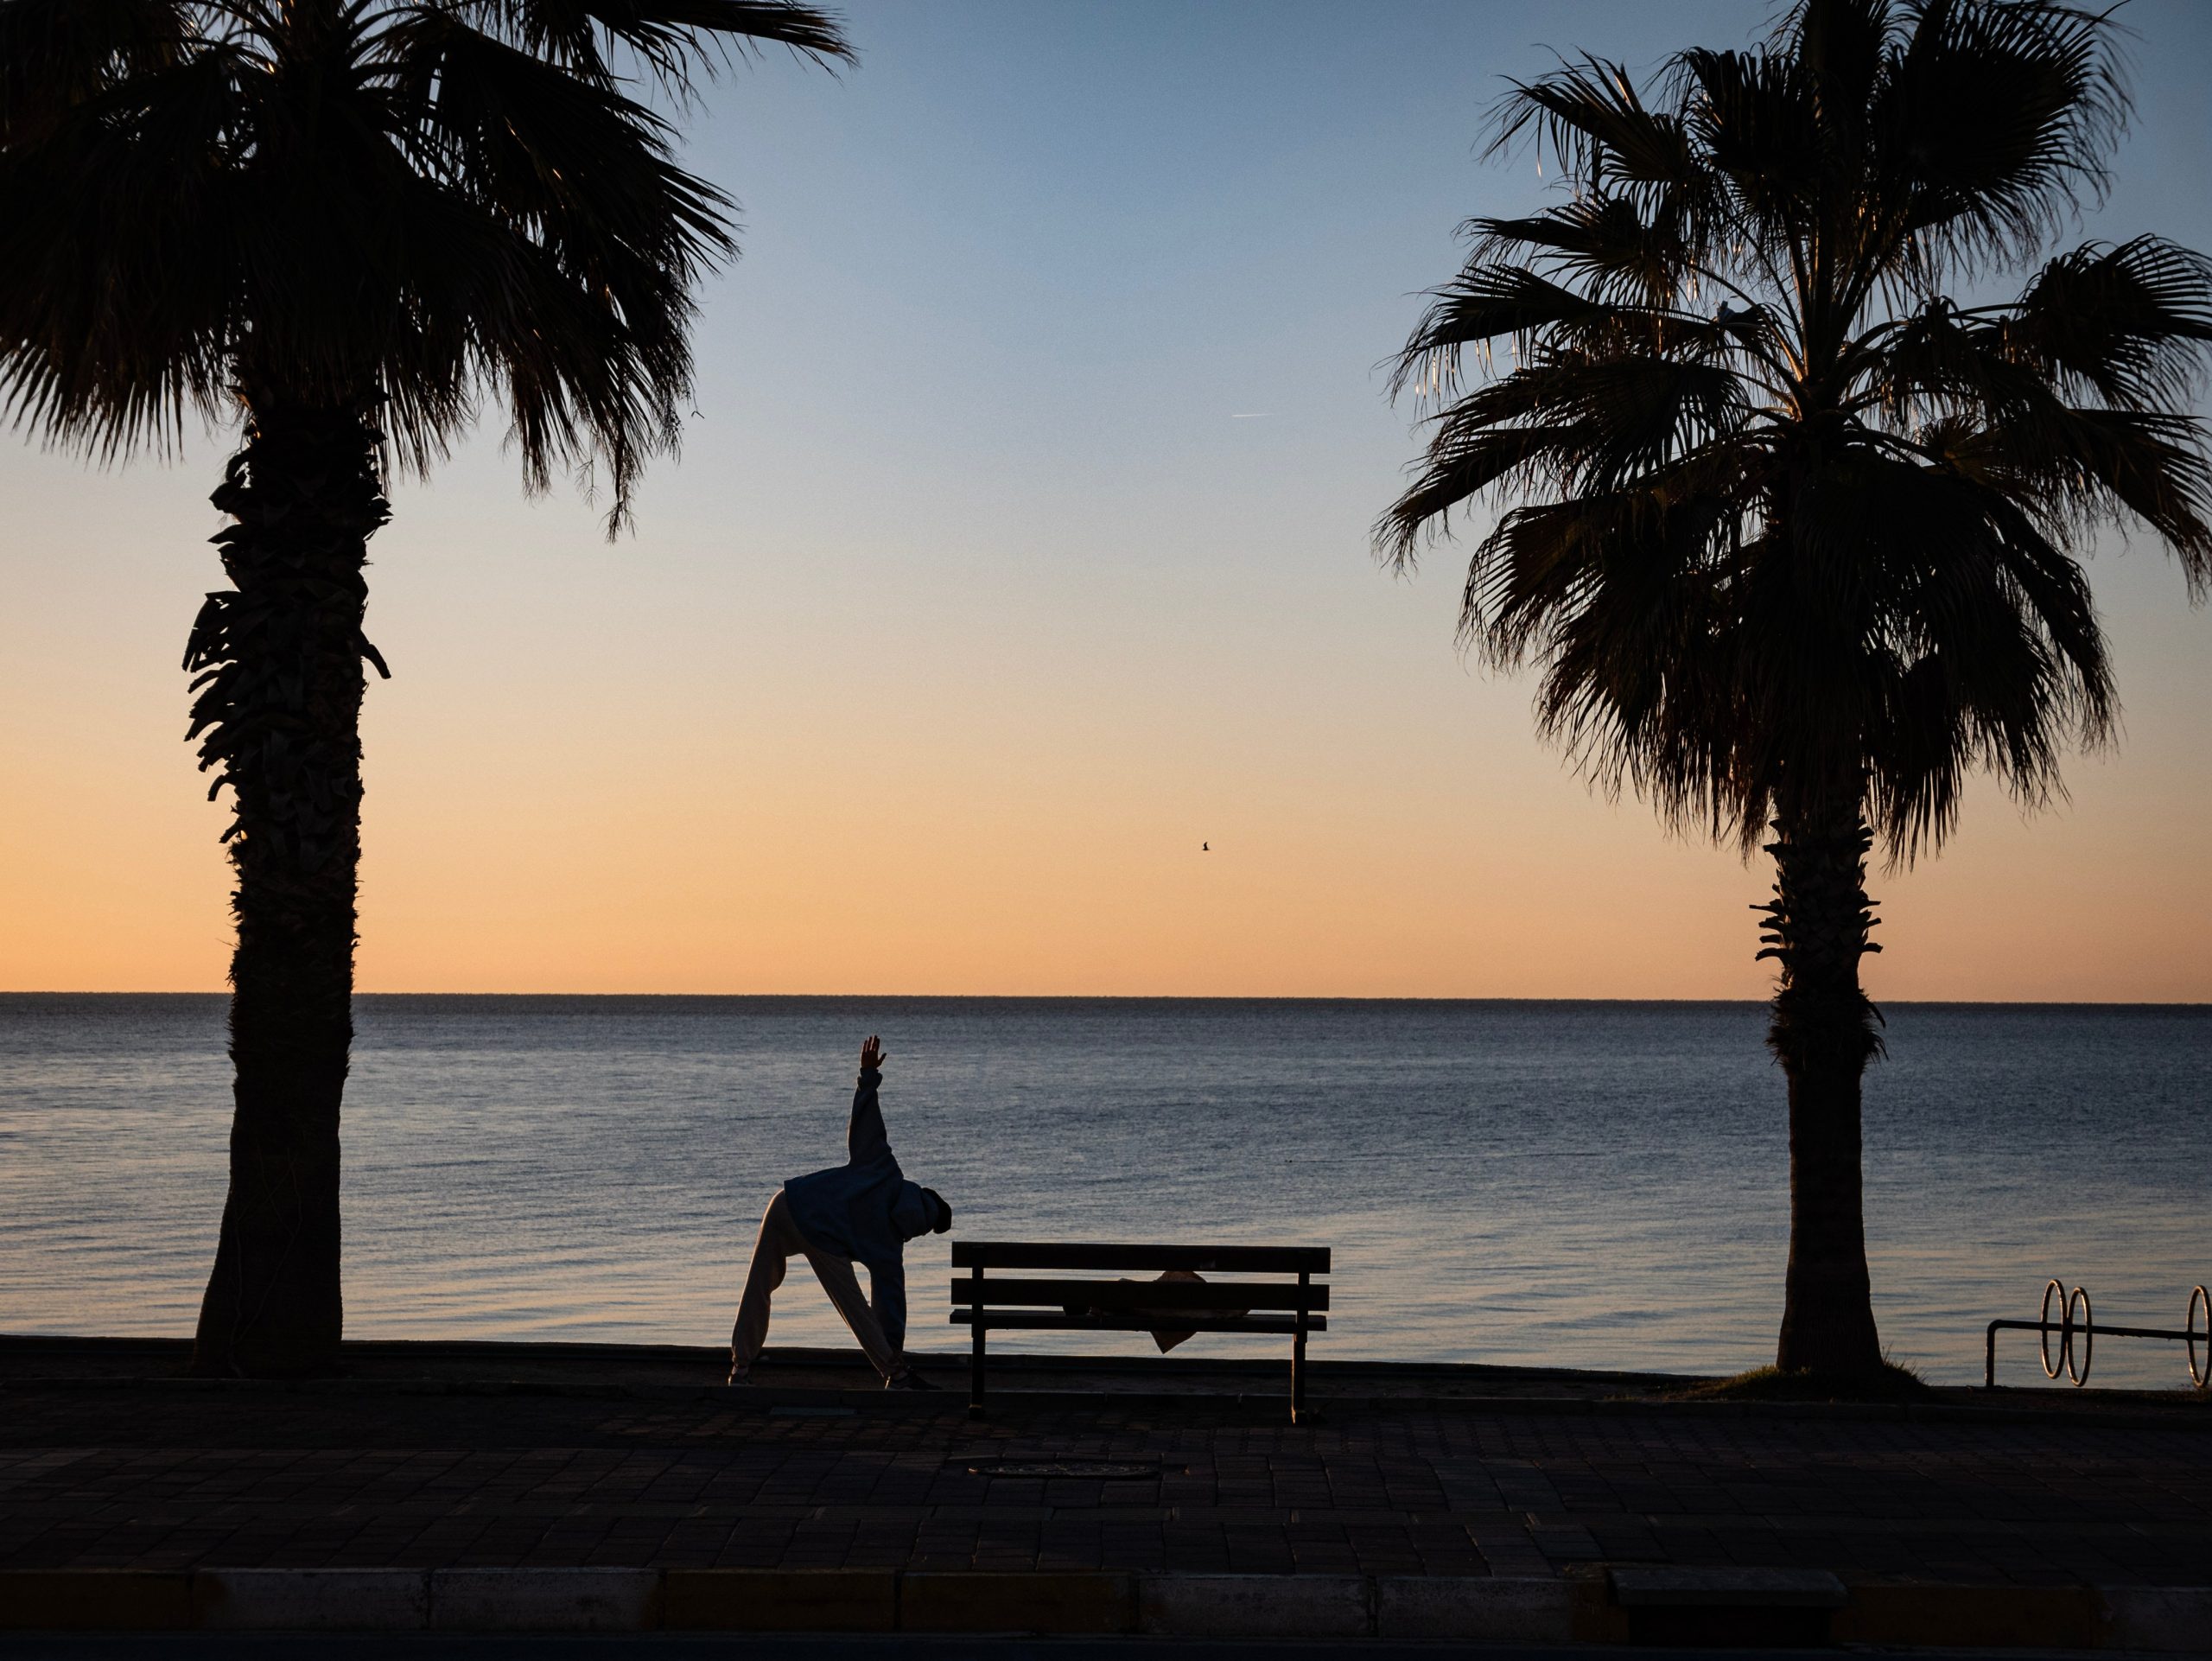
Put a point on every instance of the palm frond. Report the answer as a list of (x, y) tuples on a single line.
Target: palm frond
[(1603, 243), (1590, 116), (2076, 469), (1840, 46), (676, 43), (1484, 303), (1999, 120), (55, 54), (2128, 323), (118, 309)]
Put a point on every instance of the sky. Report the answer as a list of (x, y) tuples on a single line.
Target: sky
[(1018, 547)]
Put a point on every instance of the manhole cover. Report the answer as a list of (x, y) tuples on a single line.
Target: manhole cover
[(1106, 1470)]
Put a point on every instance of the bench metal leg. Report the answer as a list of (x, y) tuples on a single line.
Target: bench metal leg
[(1298, 1361), (976, 1348)]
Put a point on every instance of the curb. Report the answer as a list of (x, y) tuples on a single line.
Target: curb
[(1589, 1609)]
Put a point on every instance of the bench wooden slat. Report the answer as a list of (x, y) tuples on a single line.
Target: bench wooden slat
[(1269, 1325), (1143, 1295), (1224, 1259)]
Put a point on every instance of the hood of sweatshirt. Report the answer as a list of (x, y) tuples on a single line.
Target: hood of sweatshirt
[(911, 1213)]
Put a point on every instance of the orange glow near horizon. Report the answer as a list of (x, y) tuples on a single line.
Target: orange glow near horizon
[(935, 807)]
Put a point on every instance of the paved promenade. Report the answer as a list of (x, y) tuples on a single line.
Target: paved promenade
[(171, 1476)]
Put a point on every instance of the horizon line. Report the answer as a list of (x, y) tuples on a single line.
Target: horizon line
[(1161, 997)]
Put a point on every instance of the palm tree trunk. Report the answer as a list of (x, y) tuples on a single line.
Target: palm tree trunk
[(280, 705), (1822, 1029)]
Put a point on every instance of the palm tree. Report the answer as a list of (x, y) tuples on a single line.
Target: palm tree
[(1789, 529), (344, 222)]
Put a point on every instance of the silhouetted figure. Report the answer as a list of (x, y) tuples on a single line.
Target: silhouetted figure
[(863, 1211), (1205, 847)]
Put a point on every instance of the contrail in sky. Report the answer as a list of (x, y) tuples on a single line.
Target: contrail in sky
[(1261, 416)]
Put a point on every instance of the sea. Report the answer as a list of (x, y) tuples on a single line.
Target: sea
[(1549, 1184)]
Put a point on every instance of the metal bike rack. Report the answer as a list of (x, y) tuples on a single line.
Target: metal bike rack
[(2085, 1328)]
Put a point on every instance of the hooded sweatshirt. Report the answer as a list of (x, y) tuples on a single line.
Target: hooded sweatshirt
[(864, 1209)]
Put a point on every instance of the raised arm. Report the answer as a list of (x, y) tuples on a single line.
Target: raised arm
[(865, 1138)]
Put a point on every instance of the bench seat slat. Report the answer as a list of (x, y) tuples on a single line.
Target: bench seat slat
[(1225, 1259), (1267, 1326), (1141, 1294)]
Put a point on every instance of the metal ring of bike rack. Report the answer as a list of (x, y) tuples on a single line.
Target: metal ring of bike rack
[(2088, 1338), (2078, 1319), (2066, 1331), (2198, 1295)]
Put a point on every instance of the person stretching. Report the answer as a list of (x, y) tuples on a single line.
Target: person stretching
[(863, 1211)]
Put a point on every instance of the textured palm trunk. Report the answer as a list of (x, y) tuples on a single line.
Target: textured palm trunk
[(1822, 1029), (280, 705)]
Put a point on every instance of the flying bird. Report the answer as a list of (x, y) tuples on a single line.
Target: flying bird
[(1205, 847)]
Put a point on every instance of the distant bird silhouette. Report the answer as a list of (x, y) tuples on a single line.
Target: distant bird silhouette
[(1205, 848)]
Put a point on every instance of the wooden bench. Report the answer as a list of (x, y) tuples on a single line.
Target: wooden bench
[(1030, 1303)]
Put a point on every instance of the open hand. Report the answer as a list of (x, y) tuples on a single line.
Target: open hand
[(872, 1054)]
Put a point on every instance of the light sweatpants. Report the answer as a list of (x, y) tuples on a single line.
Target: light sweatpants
[(778, 1242)]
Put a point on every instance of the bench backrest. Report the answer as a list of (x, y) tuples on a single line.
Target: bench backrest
[(1219, 1259), (977, 1289)]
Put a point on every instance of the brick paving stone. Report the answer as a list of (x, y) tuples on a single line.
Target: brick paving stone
[(152, 1478)]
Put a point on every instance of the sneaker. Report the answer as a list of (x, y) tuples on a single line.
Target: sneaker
[(737, 1381), (908, 1381)]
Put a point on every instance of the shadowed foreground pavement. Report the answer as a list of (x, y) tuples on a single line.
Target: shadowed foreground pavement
[(165, 1475), (686, 1646)]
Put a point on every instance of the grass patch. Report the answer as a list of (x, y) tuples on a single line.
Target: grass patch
[(1892, 1384)]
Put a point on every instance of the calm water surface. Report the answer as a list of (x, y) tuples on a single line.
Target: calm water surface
[(1576, 1184)]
